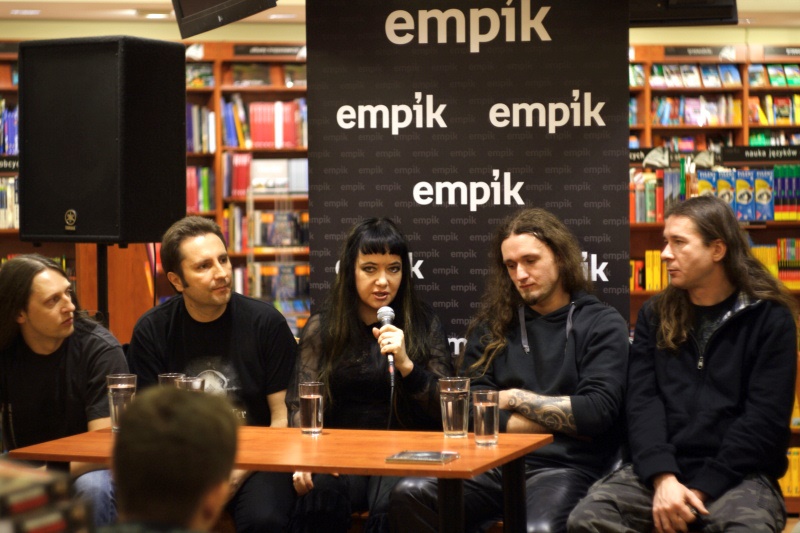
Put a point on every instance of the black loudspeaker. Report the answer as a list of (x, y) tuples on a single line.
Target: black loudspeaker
[(102, 126)]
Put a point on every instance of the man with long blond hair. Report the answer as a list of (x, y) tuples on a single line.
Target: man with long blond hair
[(710, 390), (558, 357)]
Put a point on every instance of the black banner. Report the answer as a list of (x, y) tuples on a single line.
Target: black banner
[(447, 116)]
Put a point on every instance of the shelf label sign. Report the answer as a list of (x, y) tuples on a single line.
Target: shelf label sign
[(716, 53), (781, 52), (9, 163), (265, 50)]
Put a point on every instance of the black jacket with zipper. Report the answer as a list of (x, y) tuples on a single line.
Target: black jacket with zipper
[(713, 418)]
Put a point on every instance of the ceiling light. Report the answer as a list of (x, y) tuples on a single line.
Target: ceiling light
[(282, 16), (153, 14), (26, 12)]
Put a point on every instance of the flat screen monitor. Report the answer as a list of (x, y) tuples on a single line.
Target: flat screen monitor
[(198, 16), (649, 13)]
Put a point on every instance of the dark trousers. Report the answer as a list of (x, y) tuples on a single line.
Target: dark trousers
[(621, 503), (332, 501), (551, 495), (264, 502)]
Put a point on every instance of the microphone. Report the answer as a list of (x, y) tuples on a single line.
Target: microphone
[(385, 317)]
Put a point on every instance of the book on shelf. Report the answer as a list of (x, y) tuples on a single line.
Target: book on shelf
[(294, 75), (298, 175), (788, 262), (690, 74), (657, 80), (256, 74), (757, 75), (782, 110), (710, 76), (672, 76), (756, 114), (274, 228), (9, 203), (262, 115), (776, 75), (792, 73), (745, 195), (241, 121), (199, 75), (279, 124), (633, 111), (637, 273), (729, 73), (269, 176), (9, 132), (200, 128), (764, 200), (200, 187)]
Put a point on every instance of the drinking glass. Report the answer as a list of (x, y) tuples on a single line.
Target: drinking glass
[(191, 384), (168, 379), (121, 390), (311, 407), (485, 416), (454, 397)]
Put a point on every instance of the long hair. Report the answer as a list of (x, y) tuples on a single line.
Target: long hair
[(501, 297), (714, 219), (341, 324), (16, 285), (192, 226)]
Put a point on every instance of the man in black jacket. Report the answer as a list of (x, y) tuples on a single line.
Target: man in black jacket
[(710, 390), (558, 358)]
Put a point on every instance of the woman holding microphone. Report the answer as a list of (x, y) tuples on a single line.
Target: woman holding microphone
[(348, 349)]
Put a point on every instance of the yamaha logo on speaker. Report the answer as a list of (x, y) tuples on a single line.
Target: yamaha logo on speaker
[(70, 217)]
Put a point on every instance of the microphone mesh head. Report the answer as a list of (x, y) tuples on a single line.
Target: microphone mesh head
[(385, 312)]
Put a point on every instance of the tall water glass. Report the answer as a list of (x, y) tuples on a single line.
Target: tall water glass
[(485, 416), (311, 407), (454, 397), (121, 390)]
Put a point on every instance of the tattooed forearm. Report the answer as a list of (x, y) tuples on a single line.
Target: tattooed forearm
[(552, 412)]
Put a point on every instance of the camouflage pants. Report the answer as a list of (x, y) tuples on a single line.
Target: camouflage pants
[(619, 502)]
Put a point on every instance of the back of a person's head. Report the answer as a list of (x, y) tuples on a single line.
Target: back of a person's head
[(173, 447)]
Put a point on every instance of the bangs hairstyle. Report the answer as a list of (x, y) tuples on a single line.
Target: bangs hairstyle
[(341, 325)]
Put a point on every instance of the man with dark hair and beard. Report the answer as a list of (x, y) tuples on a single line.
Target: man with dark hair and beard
[(710, 390), (558, 357)]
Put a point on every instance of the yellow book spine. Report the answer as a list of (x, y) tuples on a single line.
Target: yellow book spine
[(657, 267)]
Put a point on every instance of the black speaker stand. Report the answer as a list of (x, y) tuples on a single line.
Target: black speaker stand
[(102, 283)]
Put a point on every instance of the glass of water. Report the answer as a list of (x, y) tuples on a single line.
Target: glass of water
[(311, 407), (485, 416), (454, 397), (121, 390)]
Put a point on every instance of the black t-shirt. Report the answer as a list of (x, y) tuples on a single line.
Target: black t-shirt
[(249, 352), (708, 318), (52, 396)]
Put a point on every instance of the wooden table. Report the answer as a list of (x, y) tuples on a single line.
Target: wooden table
[(358, 452)]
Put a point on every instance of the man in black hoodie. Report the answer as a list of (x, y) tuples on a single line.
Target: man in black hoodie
[(710, 390), (558, 357)]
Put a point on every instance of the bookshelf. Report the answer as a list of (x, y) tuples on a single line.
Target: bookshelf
[(214, 75), (692, 98)]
